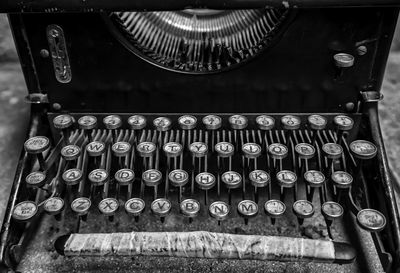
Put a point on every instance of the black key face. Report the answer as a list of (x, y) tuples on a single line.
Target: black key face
[(314, 178), (190, 207), (162, 124), (265, 122), (212, 122), (274, 208), (63, 121), (137, 122), (53, 205), (134, 206), (37, 144), (259, 178), (87, 122), (363, 149), (317, 122), (247, 208), (81, 205), (98, 177), (124, 176), (24, 211), (36, 179), (371, 220), (224, 149), (161, 207), (332, 210), (172, 149), (238, 122), (187, 122), (178, 178), (231, 179), (342, 179), (198, 149), (152, 177), (70, 152), (72, 176), (251, 150), (146, 149), (96, 148), (112, 122), (219, 210), (205, 181), (108, 206)]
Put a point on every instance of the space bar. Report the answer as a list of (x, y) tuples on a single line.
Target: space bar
[(203, 244)]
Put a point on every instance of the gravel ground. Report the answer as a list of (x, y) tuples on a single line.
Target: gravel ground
[(13, 122)]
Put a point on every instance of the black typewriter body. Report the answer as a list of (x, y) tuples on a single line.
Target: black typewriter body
[(199, 162)]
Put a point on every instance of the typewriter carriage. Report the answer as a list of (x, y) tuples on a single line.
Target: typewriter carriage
[(81, 95)]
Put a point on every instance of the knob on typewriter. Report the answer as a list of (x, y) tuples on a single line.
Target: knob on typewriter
[(305, 150), (95, 148), (286, 179), (317, 122), (81, 206), (198, 149), (331, 211), (259, 179), (303, 209), (219, 210), (278, 151), (70, 152), (224, 149), (238, 122), (313, 179), (187, 122), (212, 122), (24, 211), (54, 206), (152, 178), (363, 149), (232, 180), (72, 176), (331, 151), (190, 208), (342, 179), (112, 122), (146, 149), (371, 220), (63, 122), (137, 122), (342, 123), (124, 176), (98, 177), (162, 124), (247, 209), (290, 122), (135, 207), (178, 178), (161, 207), (121, 148), (265, 122), (274, 209), (36, 146), (35, 179), (87, 123), (205, 181), (172, 149), (108, 207), (251, 150)]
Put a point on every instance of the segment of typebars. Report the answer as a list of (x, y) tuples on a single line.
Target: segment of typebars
[(116, 167)]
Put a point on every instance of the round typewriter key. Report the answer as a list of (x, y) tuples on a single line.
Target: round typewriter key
[(363, 149), (146, 149), (332, 210), (332, 150), (161, 207), (162, 124), (108, 206), (172, 149), (371, 220), (290, 122), (265, 122), (259, 178), (238, 122), (317, 122), (251, 150), (247, 209), (314, 178), (87, 122), (344, 123), (342, 180), (121, 148), (303, 209), (81, 205), (152, 177), (224, 149), (343, 60), (24, 211), (277, 151), (70, 152), (137, 122), (205, 181), (95, 148), (274, 208), (178, 178), (231, 179), (190, 208), (305, 150), (35, 179), (72, 176), (124, 176), (212, 122), (135, 206), (198, 149), (63, 121), (286, 178), (112, 122), (219, 210), (98, 177), (37, 145), (53, 205), (187, 122)]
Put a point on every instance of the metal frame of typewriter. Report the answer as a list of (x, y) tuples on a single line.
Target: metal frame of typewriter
[(46, 95)]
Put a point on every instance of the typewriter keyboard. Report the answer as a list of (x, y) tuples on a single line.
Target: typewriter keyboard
[(212, 186)]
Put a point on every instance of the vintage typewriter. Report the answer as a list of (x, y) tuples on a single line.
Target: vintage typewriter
[(202, 136)]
